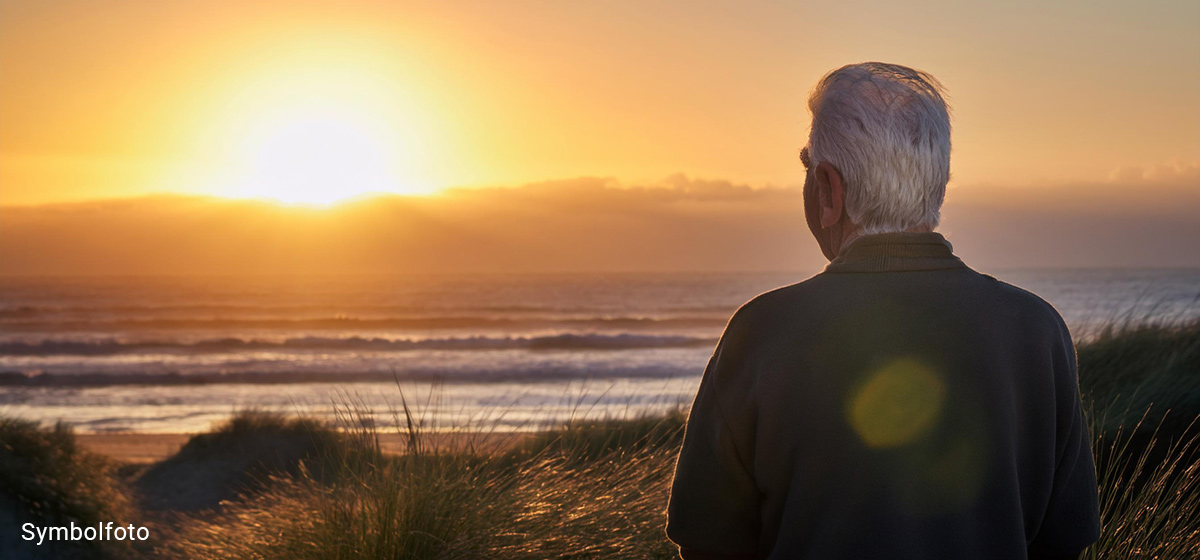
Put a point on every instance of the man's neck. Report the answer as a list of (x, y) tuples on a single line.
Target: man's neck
[(857, 233)]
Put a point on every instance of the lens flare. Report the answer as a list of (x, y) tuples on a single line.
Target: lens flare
[(897, 404)]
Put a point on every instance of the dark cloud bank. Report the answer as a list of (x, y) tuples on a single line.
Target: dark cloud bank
[(587, 225)]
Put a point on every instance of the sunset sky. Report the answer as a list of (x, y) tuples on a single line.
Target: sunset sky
[(315, 102)]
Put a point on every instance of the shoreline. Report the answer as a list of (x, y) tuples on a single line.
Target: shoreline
[(148, 448)]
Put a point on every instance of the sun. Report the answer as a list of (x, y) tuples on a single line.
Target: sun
[(319, 160), (320, 157), (303, 132)]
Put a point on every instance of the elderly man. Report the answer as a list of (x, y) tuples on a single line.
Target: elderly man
[(898, 404)]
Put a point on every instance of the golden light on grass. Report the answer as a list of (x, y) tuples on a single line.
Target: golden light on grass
[(897, 404)]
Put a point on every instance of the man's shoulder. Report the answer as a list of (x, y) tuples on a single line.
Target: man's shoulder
[(805, 297), (822, 292), (774, 299), (1018, 300)]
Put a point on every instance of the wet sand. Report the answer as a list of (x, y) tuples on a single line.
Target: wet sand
[(152, 448)]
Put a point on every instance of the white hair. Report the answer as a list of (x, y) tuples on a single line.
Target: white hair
[(886, 128)]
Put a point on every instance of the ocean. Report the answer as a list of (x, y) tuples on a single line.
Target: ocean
[(496, 352)]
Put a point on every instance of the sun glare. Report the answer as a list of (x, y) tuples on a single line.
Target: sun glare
[(319, 161), (317, 134)]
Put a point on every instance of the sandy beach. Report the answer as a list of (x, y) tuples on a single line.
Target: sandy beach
[(152, 448), (133, 448)]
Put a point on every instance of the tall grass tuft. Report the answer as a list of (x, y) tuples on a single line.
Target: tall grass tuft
[(589, 490), (1128, 370), (1142, 383), (612, 506), (580, 442), (46, 479), (1149, 501)]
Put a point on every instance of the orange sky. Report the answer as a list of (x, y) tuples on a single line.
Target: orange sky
[(117, 99)]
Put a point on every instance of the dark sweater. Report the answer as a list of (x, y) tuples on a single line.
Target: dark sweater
[(897, 405)]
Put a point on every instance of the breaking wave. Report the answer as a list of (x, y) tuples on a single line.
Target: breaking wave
[(111, 347)]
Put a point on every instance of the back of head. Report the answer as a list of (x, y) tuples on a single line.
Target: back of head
[(886, 128)]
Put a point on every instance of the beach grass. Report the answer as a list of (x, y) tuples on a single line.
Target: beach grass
[(47, 480), (1149, 497), (1143, 370), (585, 489)]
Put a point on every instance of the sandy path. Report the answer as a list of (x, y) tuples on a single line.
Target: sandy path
[(133, 448)]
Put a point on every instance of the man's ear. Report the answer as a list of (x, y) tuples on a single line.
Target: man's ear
[(830, 194)]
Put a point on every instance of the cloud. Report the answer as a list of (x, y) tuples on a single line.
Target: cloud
[(587, 224), (1172, 174)]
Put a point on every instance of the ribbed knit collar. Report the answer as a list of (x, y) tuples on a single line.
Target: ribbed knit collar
[(896, 252)]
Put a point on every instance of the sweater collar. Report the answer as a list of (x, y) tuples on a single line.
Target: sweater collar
[(896, 252)]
